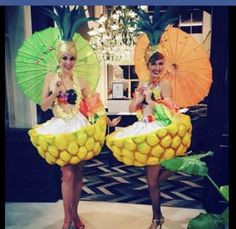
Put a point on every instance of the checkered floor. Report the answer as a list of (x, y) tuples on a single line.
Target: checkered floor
[(106, 179)]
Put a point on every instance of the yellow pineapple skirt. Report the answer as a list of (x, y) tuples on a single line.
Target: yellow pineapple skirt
[(64, 142), (150, 143)]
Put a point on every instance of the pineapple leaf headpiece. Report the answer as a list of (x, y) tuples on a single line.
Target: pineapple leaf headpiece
[(68, 21), (155, 27), (149, 42)]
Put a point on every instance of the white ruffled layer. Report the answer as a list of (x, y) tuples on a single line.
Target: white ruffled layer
[(139, 128), (61, 126)]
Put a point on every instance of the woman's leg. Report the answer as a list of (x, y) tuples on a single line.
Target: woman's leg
[(68, 174), (153, 172), (78, 183), (164, 174)]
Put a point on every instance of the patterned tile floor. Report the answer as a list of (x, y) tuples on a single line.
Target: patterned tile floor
[(106, 179)]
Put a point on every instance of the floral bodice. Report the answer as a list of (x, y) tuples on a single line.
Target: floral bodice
[(91, 107), (72, 96), (160, 111), (156, 92), (67, 97)]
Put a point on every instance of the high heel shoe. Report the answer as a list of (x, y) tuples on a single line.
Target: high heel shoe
[(79, 224), (157, 222), (67, 224)]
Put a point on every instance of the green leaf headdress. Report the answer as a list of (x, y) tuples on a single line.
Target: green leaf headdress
[(147, 43), (155, 27)]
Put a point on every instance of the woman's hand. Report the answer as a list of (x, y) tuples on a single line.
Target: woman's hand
[(147, 92), (138, 99), (148, 96), (49, 95), (138, 96), (84, 88), (114, 121)]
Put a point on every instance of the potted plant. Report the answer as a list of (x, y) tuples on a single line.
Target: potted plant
[(192, 165)]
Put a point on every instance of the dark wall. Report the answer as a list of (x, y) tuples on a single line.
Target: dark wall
[(218, 110), (27, 176)]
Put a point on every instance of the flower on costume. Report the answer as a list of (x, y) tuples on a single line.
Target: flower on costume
[(92, 107)]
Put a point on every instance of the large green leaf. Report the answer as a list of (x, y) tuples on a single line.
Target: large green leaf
[(225, 191), (156, 14), (173, 165), (157, 36), (170, 13), (143, 15), (225, 216), (66, 19), (191, 165), (78, 23), (206, 221), (157, 25), (162, 114), (66, 25), (56, 17)]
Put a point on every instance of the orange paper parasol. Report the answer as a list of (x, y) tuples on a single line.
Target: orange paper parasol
[(187, 66)]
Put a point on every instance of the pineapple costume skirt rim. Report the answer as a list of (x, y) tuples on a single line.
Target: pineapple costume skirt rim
[(82, 143), (152, 148)]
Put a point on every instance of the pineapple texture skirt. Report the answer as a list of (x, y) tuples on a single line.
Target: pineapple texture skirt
[(64, 142), (150, 143)]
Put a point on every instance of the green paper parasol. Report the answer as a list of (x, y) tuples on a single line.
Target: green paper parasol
[(37, 57)]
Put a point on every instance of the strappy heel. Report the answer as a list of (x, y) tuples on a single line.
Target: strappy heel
[(67, 224), (79, 224), (157, 222)]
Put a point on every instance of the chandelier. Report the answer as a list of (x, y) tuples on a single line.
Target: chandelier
[(114, 37)]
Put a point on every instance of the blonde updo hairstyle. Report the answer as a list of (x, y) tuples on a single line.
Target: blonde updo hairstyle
[(65, 47)]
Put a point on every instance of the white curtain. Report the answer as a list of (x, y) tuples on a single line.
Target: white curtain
[(20, 112)]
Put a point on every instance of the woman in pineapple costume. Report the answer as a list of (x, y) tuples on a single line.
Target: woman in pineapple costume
[(161, 132), (63, 93), (77, 131), (157, 110)]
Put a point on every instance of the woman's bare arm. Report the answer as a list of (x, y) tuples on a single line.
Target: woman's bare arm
[(166, 90), (113, 122), (84, 88), (48, 97), (138, 98)]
